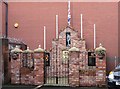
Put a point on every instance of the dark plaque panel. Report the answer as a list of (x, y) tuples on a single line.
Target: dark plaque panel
[(91, 59), (47, 59)]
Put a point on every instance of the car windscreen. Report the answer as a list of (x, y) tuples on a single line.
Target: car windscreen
[(118, 67)]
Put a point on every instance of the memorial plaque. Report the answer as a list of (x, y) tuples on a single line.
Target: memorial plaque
[(91, 59), (47, 58)]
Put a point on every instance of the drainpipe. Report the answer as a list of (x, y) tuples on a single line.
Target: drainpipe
[(6, 21)]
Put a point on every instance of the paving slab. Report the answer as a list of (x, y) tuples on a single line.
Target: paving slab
[(18, 87), (54, 87)]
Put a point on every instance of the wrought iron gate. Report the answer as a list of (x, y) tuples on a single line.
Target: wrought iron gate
[(56, 70)]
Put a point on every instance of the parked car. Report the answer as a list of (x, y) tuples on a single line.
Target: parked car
[(114, 78)]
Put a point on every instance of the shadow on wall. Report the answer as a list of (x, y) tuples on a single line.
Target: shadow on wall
[(111, 63)]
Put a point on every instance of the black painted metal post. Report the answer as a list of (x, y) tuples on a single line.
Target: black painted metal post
[(20, 58), (56, 66), (44, 70)]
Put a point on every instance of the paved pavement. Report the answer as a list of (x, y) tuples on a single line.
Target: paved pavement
[(44, 87), (18, 87), (71, 88)]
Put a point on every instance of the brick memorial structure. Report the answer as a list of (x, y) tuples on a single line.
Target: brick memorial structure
[(79, 71), (69, 63)]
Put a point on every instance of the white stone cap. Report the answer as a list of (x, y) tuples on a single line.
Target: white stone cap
[(16, 50), (100, 47), (74, 49), (39, 49), (28, 50)]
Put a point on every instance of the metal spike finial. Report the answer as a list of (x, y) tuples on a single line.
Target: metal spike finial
[(17, 46), (100, 44), (39, 46), (27, 47)]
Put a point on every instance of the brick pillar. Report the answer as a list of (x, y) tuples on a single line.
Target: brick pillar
[(39, 72), (73, 68), (15, 65), (39, 66), (101, 71), (100, 65), (15, 71)]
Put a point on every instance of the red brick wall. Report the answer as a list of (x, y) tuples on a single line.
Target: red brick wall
[(33, 16), (25, 75)]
